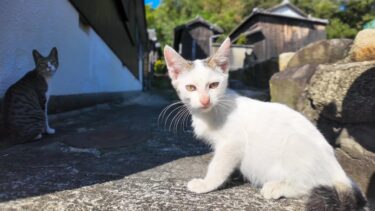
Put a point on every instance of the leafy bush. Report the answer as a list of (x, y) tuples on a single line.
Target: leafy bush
[(160, 67), (242, 40)]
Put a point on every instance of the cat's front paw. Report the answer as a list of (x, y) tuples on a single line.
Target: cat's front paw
[(198, 186), (50, 131), (272, 190)]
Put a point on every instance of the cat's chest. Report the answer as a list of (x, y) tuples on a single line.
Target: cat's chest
[(205, 131), (48, 88)]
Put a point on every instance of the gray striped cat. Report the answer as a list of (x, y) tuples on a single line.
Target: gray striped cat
[(25, 102)]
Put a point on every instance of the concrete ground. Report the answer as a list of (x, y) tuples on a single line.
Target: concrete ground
[(116, 157)]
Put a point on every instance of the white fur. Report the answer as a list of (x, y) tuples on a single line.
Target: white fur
[(274, 147), (47, 128), (51, 67)]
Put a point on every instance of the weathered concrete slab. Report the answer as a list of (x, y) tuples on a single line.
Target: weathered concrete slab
[(144, 167)]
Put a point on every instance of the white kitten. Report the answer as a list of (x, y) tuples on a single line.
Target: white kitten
[(275, 147)]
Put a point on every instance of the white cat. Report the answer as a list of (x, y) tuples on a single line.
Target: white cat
[(273, 146)]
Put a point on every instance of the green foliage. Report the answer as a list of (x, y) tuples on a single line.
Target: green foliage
[(241, 40), (344, 22), (160, 67), (338, 29), (172, 13), (229, 13)]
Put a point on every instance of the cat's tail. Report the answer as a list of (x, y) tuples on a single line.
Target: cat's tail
[(340, 197)]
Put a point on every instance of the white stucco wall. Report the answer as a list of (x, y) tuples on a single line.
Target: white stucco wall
[(87, 65)]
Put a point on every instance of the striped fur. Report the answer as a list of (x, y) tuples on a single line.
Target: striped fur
[(24, 104), (338, 198)]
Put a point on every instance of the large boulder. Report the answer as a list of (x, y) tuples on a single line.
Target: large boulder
[(364, 46), (343, 93), (338, 95), (284, 59), (286, 87), (321, 52), (355, 153)]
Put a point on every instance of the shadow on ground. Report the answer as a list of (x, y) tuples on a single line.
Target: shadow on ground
[(93, 147)]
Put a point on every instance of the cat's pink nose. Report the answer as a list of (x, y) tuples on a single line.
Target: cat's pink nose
[(205, 101)]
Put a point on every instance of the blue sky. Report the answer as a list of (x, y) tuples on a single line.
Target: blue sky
[(154, 3)]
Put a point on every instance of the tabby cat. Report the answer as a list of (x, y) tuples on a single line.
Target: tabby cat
[(25, 102)]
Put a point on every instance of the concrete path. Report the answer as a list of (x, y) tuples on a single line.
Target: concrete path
[(116, 157)]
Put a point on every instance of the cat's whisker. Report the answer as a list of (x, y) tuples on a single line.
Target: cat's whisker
[(164, 111), (226, 107), (176, 116), (227, 103), (175, 120), (226, 100), (168, 106), (184, 121), (186, 114), (179, 119), (173, 111)]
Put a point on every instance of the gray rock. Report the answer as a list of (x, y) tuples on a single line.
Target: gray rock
[(284, 59), (321, 52), (344, 92), (286, 87), (338, 95)]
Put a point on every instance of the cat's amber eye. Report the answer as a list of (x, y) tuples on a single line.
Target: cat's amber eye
[(191, 88), (213, 85)]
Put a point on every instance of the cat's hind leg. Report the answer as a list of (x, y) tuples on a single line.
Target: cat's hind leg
[(222, 165), (39, 136), (278, 189)]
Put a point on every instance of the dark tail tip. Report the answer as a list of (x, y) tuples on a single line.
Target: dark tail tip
[(324, 198)]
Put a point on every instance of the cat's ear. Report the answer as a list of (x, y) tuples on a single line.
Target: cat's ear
[(175, 63), (221, 57), (53, 53), (36, 56)]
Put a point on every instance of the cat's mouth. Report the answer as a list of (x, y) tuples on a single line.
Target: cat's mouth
[(206, 108)]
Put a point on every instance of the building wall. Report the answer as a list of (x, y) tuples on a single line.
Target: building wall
[(195, 42), (285, 35), (237, 56), (87, 65)]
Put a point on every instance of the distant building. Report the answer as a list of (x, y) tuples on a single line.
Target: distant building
[(193, 38), (282, 28), (102, 46), (270, 32), (153, 55)]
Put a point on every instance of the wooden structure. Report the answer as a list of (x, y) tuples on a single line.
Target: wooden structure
[(192, 39), (282, 28), (154, 54), (238, 55)]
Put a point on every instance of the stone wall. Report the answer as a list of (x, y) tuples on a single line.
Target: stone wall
[(332, 82)]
